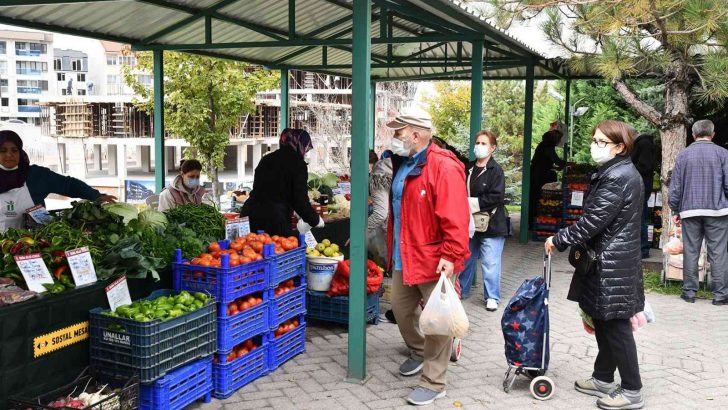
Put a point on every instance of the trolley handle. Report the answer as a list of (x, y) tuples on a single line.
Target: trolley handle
[(547, 269)]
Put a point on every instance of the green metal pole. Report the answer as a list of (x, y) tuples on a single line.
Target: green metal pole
[(527, 137), (373, 113), (159, 164), (360, 123), (476, 94), (284, 99)]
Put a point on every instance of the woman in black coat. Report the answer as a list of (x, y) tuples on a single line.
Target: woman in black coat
[(280, 186), (543, 168), (614, 292)]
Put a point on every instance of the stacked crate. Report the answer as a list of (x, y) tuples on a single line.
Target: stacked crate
[(170, 357)]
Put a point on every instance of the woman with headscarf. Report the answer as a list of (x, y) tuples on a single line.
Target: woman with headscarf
[(23, 186), (280, 187)]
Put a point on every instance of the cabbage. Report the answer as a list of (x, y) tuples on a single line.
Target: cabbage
[(153, 218), (124, 210), (330, 180)]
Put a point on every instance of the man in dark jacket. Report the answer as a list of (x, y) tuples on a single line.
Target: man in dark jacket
[(643, 160), (543, 168), (699, 202)]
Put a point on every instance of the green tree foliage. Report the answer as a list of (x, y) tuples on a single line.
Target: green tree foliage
[(204, 99)]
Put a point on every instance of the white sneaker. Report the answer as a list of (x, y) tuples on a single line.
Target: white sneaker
[(491, 305)]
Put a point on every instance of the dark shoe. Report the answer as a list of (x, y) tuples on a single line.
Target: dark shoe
[(689, 299), (721, 302), (390, 316), (645, 256), (411, 367)]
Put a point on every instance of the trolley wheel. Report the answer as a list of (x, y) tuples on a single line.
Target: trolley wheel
[(457, 347), (506, 387), (542, 388)]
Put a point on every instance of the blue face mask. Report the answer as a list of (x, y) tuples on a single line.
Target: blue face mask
[(192, 182)]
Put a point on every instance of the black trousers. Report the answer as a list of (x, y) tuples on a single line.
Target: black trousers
[(617, 350)]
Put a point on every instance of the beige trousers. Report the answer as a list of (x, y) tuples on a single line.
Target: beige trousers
[(434, 350)]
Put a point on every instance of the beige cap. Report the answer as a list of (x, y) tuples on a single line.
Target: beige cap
[(419, 119)]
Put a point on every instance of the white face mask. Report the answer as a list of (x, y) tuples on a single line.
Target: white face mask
[(307, 156), (481, 151), (192, 182), (8, 169), (398, 148), (601, 155)]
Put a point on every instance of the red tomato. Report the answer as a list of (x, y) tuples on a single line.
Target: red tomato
[(290, 283), (233, 310), (214, 247)]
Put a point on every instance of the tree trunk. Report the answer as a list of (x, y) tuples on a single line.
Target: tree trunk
[(673, 134)]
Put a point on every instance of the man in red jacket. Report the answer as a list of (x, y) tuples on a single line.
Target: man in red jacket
[(427, 235)]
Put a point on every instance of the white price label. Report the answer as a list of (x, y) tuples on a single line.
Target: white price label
[(244, 226), (34, 271), (82, 267), (651, 201), (232, 229), (39, 214), (118, 293), (658, 199), (577, 198), (311, 241)]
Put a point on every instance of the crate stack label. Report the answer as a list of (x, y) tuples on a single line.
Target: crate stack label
[(149, 350), (180, 388)]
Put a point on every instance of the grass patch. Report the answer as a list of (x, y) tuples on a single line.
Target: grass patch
[(653, 284), (513, 209)]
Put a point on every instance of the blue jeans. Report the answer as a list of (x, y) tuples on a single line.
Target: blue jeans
[(646, 245), (489, 251)]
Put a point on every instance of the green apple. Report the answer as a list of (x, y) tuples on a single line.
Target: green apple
[(321, 247), (326, 242)]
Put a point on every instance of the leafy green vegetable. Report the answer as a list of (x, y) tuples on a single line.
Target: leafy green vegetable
[(127, 258), (126, 211), (153, 218), (206, 221)]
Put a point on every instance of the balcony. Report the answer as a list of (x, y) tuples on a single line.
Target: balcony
[(28, 71), (27, 53), (29, 90), (28, 108)]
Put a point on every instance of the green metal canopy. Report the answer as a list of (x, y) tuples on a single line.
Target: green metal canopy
[(369, 40)]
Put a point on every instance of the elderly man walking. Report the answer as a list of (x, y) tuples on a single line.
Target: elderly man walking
[(427, 235), (699, 201)]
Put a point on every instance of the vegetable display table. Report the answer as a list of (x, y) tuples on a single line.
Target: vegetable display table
[(44, 341)]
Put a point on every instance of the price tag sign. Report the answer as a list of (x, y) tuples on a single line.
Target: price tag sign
[(232, 229), (82, 267), (118, 293), (658, 199), (244, 226), (345, 187), (311, 241), (39, 214), (34, 271), (651, 201), (577, 198)]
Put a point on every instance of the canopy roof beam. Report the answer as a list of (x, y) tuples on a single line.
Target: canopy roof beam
[(189, 20)]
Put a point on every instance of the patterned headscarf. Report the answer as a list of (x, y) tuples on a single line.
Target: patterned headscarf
[(297, 139), (16, 178)]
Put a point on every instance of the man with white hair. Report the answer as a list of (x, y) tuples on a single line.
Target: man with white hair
[(699, 202), (427, 236)]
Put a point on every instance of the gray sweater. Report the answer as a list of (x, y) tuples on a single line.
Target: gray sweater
[(699, 182)]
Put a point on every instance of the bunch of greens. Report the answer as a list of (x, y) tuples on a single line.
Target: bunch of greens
[(89, 214), (206, 221)]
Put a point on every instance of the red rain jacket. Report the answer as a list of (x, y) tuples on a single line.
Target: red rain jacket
[(435, 216)]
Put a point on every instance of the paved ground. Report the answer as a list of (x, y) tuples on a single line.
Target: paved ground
[(683, 358)]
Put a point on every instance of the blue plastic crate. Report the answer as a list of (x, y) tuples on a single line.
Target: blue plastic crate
[(150, 349), (283, 348), (179, 388), (336, 309), (286, 265), (230, 377), (288, 305), (225, 283), (241, 327)]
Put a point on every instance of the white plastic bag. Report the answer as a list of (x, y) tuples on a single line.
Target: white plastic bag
[(443, 314)]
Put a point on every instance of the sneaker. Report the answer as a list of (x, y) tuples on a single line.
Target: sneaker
[(689, 299), (594, 387), (622, 399), (422, 396), (491, 305), (720, 302), (411, 367)]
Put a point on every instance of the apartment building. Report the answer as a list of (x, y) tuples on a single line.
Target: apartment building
[(26, 69), (71, 71), (117, 56)]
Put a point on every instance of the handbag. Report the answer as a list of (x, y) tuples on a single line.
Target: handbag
[(584, 259), (481, 221)]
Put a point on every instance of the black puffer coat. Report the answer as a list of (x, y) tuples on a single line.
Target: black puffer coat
[(611, 225)]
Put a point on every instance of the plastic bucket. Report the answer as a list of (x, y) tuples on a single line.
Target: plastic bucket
[(320, 271)]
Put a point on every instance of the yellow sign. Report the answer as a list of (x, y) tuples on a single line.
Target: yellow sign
[(50, 342)]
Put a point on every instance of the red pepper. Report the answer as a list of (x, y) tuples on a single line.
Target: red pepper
[(59, 271)]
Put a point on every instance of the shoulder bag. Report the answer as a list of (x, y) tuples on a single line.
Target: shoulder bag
[(481, 219), (584, 259)]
